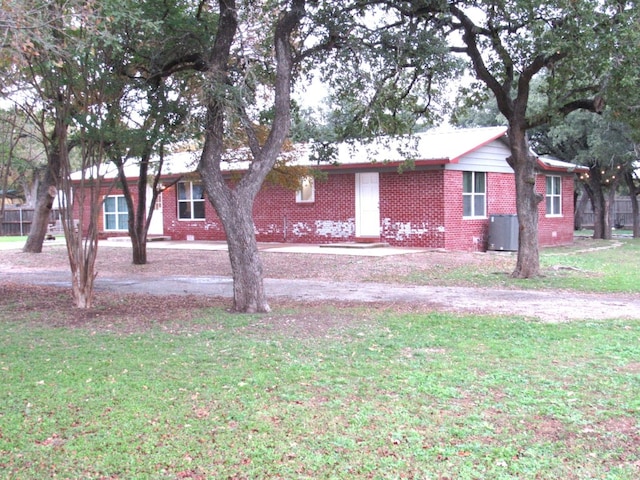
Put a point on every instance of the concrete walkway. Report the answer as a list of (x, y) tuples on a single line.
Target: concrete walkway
[(363, 249)]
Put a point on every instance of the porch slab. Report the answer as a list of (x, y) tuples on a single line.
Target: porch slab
[(354, 245)]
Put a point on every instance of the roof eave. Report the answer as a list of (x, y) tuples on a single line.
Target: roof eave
[(556, 168)]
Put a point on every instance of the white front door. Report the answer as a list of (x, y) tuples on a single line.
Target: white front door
[(367, 205), (156, 226)]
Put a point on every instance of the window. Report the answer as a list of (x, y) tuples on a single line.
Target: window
[(474, 194), (116, 214), (307, 193), (554, 196), (158, 205), (190, 201)]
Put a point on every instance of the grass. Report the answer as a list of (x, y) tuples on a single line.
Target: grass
[(608, 266), (12, 239), (385, 394)]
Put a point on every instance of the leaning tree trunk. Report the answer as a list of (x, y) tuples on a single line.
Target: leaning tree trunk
[(527, 200), (48, 187), (47, 191)]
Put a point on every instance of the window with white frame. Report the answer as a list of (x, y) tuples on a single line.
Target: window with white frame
[(190, 201), (474, 194), (554, 195), (116, 213), (158, 205), (307, 191)]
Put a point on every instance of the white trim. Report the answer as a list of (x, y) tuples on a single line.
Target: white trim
[(551, 196), (307, 191), (116, 214), (367, 204), (191, 201), (473, 194)]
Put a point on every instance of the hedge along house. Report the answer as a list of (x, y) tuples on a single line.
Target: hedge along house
[(438, 189)]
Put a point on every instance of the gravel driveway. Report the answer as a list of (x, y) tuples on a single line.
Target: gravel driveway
[(326, 275)]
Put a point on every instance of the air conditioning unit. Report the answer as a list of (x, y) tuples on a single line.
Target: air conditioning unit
[(503, 233)]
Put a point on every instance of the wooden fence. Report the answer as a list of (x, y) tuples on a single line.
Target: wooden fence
[(621, 214), (17, 221)]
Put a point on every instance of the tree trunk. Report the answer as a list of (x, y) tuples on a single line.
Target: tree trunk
[(47, 191), (634, 191), (82, 253), (139, 249), (234, 204), (527, 200), (138, 223), (82, 240), (607, 217), (581, 204), (248, 286), (599, 203)]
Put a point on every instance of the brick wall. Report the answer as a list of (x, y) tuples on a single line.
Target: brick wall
[(412, 208), (417, 209), (470, 234), (277, 215), (556, 230), (86, 212), (208, 229)]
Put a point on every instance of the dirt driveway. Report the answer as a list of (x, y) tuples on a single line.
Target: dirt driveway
[(326, 276)]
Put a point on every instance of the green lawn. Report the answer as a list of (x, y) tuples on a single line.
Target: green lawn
[(610, 266), (9, 239), (383, 394)]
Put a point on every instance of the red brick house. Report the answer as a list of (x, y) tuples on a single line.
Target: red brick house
[(436, 190)]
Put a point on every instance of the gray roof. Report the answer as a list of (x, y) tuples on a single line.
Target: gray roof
[(439, 146)]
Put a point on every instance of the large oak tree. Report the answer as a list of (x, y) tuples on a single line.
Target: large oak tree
[(567, 46), (252, 45)]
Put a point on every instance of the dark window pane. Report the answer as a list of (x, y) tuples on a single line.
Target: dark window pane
[(183, 191), (480, 183), (198, 209), (198, 191), (184, 210), (467, 182)]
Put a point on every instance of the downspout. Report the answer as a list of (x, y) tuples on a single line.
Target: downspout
[(284, 228)]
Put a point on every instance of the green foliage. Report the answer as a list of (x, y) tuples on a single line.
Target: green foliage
[(387, 71)]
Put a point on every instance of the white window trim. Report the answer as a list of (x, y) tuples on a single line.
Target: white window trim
[(310, 183), (473, 194), (548, 195), (116, 214), (191, 201)]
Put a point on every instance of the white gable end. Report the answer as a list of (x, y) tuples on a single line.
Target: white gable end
[(488, 158)]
